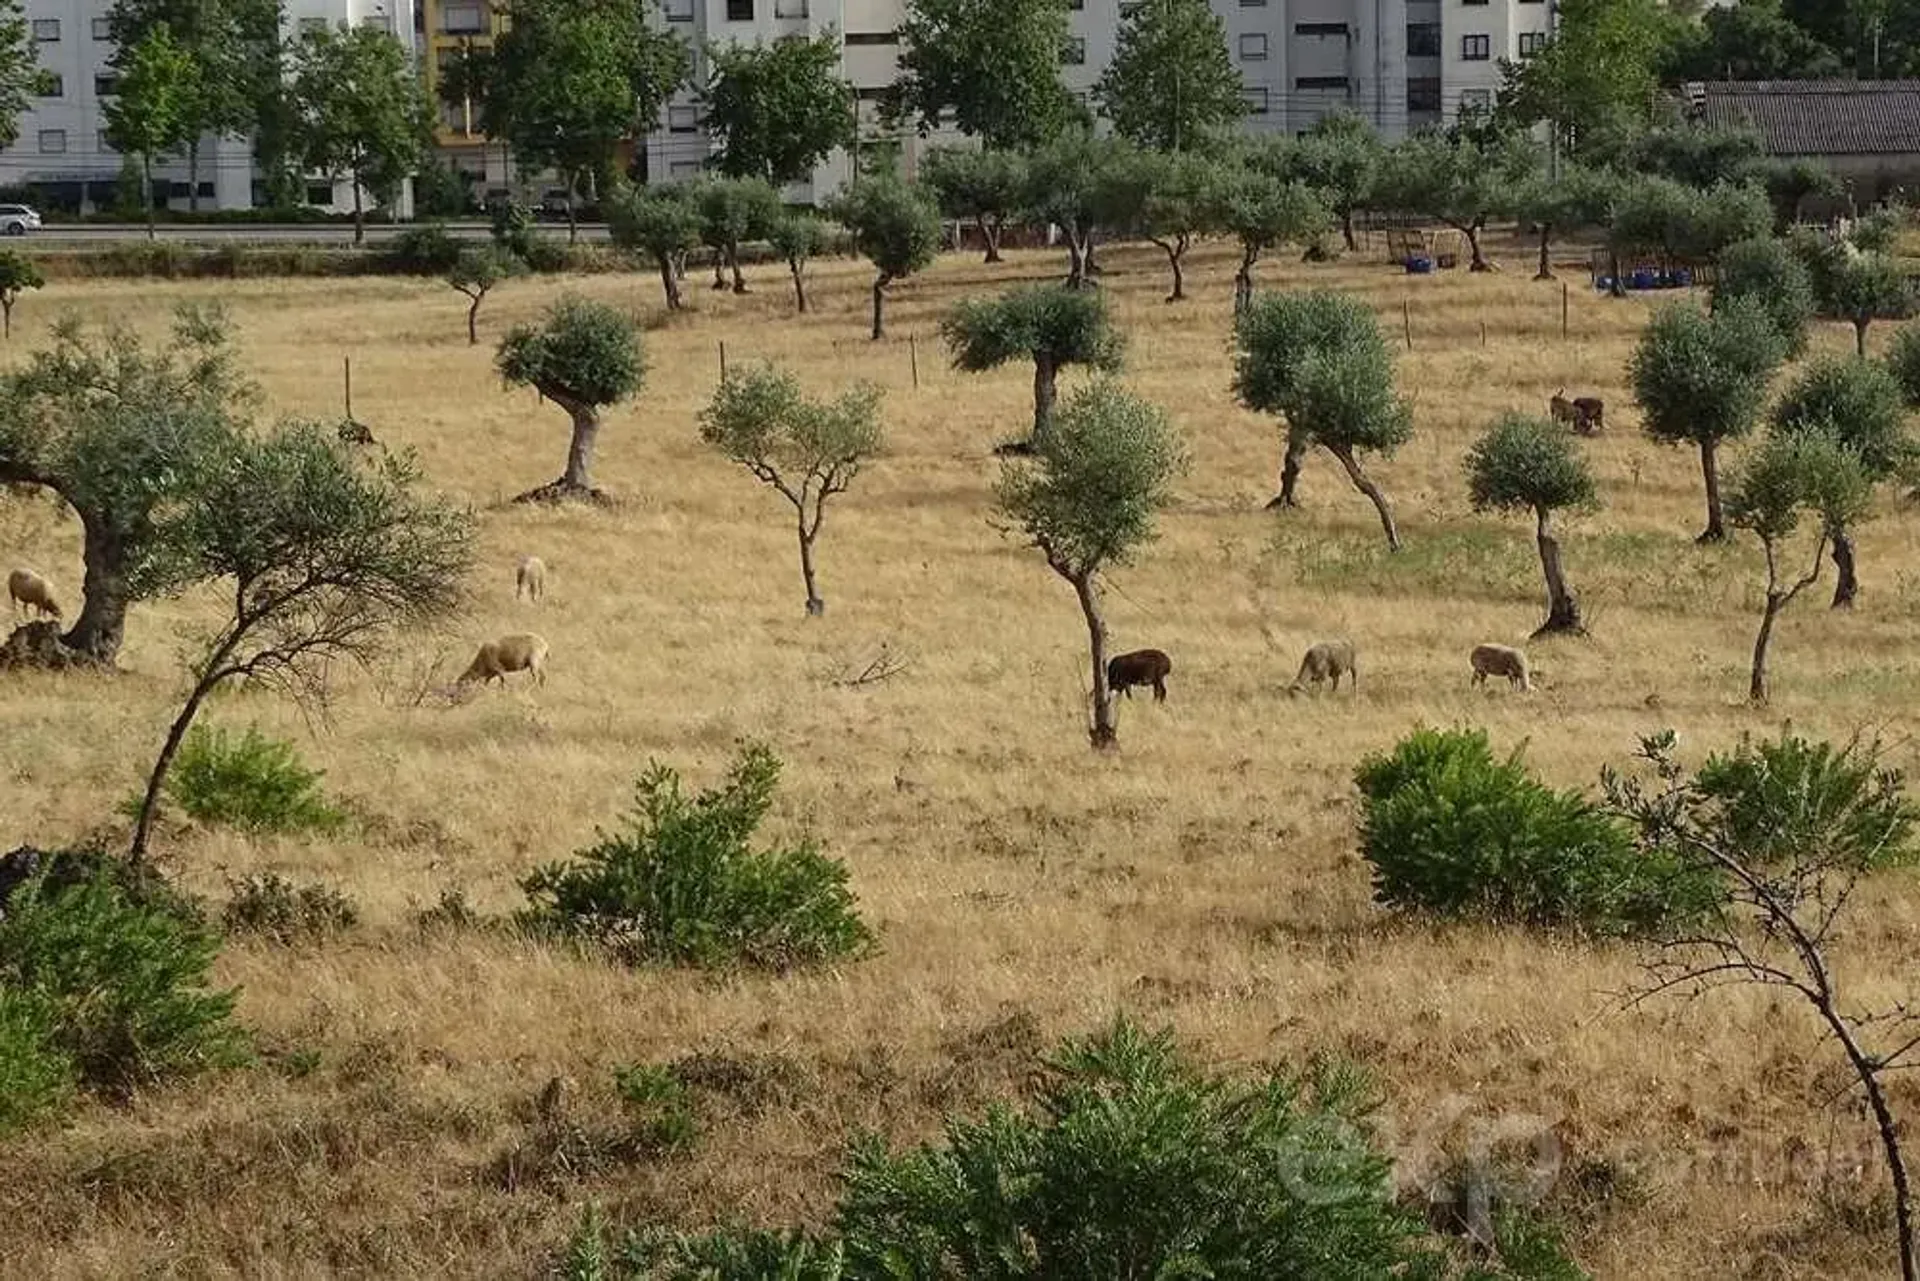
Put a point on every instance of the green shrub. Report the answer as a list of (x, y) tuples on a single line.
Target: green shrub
[(124, 984), (734, 1254), (451, 913), (287, 913), (1451, 830), (1792, 798), (543, 255), (35, 1078), (425, 250), (254, 782), (681, 885), (1767, 271), (1903, 357), (660, 1106)]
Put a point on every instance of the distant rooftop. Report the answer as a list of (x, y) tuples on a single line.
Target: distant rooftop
[(1818, 117)]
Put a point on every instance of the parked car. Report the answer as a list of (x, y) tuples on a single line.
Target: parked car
[(18, 220)]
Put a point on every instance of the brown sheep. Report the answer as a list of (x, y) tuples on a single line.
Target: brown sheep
[(1142, 667), (27, 588), (1589, 415), (519, 652), (1501, 660), (530, 578), (1329, 660), (1561, 408)]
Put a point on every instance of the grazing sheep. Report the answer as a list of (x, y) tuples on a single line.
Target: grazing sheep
[(519, 652), (1142, 667), (1329, 660), (1589, 414), (1501, 660), (530, 578), (27, 588), (1561, 408)]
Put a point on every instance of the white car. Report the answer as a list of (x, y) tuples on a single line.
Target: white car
[(18, 220)]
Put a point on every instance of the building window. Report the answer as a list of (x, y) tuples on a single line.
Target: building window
[(1324, 30), (102, 29), (47, 31), (1423, 94), (789, 8), (1477, 2), (1075, 54), (106, 84), (873, 37), (1532, 42), (1475, 101), (52, 86), (53, 142), (1320, 82), (1476, 48), (684, 169), (679, 10), (682, 120), (1253, 4), (462, 20), (739, 10), (1423, 40), (1253, 47), (1256, 99), (320, 193)]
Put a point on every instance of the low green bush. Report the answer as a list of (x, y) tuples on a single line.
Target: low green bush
[(681, 884), (252, 782), (424, 250), (36, 1079), (1451, 830), (285, 913), (661, 1107)]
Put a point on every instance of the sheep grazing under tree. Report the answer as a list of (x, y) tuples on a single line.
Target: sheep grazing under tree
[(1328, 661), (1142, 667), (1501, 660), (497, 659), (27, 589), (530, 578)]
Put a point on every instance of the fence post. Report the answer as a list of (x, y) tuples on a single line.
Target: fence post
[(723, 360), (1483, 333), (913, 358), (1564, 331), (346, 364), (1406, 320)]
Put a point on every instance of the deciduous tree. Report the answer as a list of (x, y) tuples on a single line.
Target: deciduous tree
[(1339, 156), (150, 112), (994, 65), (1172, 84), (361, 112), (1530, 464), (583, 356), (775, 111)]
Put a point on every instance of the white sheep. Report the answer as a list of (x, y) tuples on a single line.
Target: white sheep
[(1328, 660), (1501, 660), (530, 579), (27, 588), (519, 652)]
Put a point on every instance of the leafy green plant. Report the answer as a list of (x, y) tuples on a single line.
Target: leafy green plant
[(1451, 830), (681, 884), (660, 1105), (286, 913), (252, 782), (1792, 797), (1767, 271), (35, 1078), (426, 250)]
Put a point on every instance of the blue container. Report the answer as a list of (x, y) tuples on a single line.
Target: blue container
[(1419, 266), (1644, 279), (1682, 278)]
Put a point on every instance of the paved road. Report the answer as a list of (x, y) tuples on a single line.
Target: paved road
[(72, 236)]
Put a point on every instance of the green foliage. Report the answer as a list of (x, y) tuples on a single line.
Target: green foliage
[(1752, 40), (735, 1254), (897, 227), (1529, 464), (1791, 183), (251, 782), (660, 221), (1660, 215), (797, 237), (1903, 360), (1451, 830), (513, 223), (36, 1079), (582, 351), (1339, 157), (1865, 287), (427, 249), (1768, 272), (975, 182), (1463, 181), (776, 110), (477, 269), (1859, 402), (1795, 799), (1172, 84), (1792, 473), (1597, 74), (1263, 210), (442, 190), (760, 418), (1318, 358), (733, 210), (151, 111), (991, 66), (660, 1106), (121, 984), (20, 71), (1037, 322), (360, 109), (1697, 155), (681, 885), (1097, 480), (285, 913), (1703, 378)]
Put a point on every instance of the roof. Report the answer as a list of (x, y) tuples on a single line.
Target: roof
[(1819, 117)]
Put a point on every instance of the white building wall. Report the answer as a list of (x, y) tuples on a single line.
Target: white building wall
[(1476, 35)]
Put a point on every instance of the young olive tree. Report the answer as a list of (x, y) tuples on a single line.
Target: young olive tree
[(1766, 270), (18, 273), (733, 211), (584, 356), (1577, 197), (1806, 472), (1701, 380), (1264, 211), (896, 226), (1340, 156), (979, 183), (1463, 180), (1858, 402), (797, 238), (1529, 464), (806, 450), (324, 556), (475, 273), (1791, 869), (663, 224), (1052, 325), (1087, 500), (1903, 361), (1862, 288), (1334, 387), (1179, 208)]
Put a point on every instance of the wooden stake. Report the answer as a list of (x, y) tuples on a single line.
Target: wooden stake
[(1406, 319), (1483, 333), (913, 358), (346, 364), (723, 360), (1563, 309)]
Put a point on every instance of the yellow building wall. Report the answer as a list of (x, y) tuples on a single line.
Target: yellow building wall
[(452, 25)]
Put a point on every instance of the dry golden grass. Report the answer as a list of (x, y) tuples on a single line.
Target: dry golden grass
[(1024, 887)]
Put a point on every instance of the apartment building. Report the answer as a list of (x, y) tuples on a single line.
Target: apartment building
[(62, 150), (451, 30), (1476, 35)]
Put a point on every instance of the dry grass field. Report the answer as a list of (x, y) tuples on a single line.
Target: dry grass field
[(1024, 888)]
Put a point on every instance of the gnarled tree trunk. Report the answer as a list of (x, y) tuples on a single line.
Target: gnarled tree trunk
[(1364, 483), (1563, 610), (1546, 254), (1102, 733), (815, 605), (1346, 228), (799, 271), (879, 305), (733, 264), (1845, 590), (1045, 391), (1298, 443), (1757, 679), (102, 625), (1243, 280), (670, 282), (1479, 260), (990, 231), (1716, 530), (1176, 252)]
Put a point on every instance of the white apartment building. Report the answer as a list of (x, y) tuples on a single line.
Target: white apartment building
[(63, 150)]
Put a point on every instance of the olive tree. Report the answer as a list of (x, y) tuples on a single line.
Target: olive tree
[(1861, 288), (118, 429), (1701, 380), (806, 450), (1555, 203), (981, 183), (583, 356), (1768, 272), (323, 557), (1791, 475), (1339, 156), (1859, 402), (1463, 180), (1087, 499), (1319, 361), (18, 273), (1179, 208), (1903, 360), (475, 273), (1050, 324), (797, 238), (660, 222), (896, 226), (733, 211), (1264, 211), (1528, 464)]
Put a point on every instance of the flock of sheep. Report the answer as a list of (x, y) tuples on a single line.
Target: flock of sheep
[(1325, 662)]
